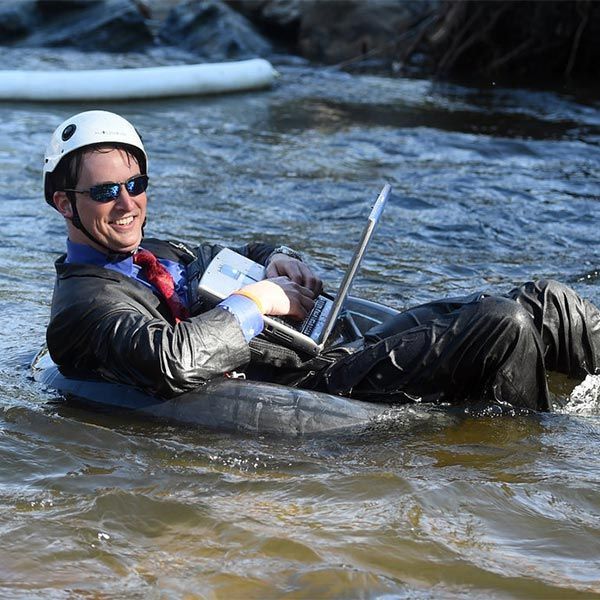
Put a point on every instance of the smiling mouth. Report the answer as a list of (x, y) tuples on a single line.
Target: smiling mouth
[(123, 221)]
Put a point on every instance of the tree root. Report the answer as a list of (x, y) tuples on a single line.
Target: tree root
[(553, 38)]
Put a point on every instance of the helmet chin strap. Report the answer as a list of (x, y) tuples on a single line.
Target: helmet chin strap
[(111, 254)]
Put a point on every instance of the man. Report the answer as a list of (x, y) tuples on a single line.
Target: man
[(121, 305)]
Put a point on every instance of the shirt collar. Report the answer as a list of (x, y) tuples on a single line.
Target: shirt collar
[(85, 254)]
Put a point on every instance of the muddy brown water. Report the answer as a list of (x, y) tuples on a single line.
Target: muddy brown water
[(491, 188)]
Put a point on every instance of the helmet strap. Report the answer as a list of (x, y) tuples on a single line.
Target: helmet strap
[(111, 254)]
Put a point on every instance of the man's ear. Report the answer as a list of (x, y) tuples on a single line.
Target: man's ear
[(63, 204)]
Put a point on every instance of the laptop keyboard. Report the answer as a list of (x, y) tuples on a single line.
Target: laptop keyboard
[(312, 319), (307, 326)]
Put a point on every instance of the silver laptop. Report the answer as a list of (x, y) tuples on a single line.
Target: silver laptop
[(230, 271)]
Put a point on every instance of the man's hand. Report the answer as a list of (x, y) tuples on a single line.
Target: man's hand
[(296, 270), (279, 296)]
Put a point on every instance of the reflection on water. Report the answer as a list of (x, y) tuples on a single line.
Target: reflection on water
[(490, 189)]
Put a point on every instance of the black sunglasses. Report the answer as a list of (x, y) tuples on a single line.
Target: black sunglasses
[(105, 192)]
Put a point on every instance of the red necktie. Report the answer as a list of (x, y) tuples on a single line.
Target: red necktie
[(158, 276)]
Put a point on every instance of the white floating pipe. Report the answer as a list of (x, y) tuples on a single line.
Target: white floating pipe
[(130, 84)]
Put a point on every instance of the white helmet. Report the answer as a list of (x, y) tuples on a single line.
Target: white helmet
[(85, 129)]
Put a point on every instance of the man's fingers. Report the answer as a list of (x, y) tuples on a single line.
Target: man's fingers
[(301, 300), (296, 270), (300, 297), (281, 296), (313, 283), (272, 271), (301, 306), (289, 268)]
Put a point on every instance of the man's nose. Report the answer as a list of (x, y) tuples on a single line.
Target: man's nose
[(124, 198)]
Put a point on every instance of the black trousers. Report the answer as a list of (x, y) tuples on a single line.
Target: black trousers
[(476, 348)]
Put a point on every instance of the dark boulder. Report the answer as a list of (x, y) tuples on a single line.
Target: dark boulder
[(279, 20), (16, 20), (212, 30), (332, 31), (109, 25), (52, 8)]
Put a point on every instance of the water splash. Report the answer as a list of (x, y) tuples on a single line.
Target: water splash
[(585, 398)]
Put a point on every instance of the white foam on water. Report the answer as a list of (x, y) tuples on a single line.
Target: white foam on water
[(585, 398)]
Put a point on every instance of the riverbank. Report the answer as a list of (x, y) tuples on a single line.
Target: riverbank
[(551, 43)]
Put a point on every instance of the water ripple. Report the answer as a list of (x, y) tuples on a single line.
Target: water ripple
[(491, 187)]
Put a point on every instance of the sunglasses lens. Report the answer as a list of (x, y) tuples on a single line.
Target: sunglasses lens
[(110, 191), (105, 192), (137, 185)]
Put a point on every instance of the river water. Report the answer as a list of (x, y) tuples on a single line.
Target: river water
[(491, 187)]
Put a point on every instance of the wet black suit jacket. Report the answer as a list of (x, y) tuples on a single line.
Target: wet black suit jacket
[(109, 324)]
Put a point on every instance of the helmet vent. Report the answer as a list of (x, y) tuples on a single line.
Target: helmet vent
[(68, 132)]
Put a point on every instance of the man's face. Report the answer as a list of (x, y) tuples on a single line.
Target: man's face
[(116, 224)]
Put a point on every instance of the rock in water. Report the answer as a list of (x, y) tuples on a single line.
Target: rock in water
[(212, 30), (332, 31), (16, 21), (109, 25)]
